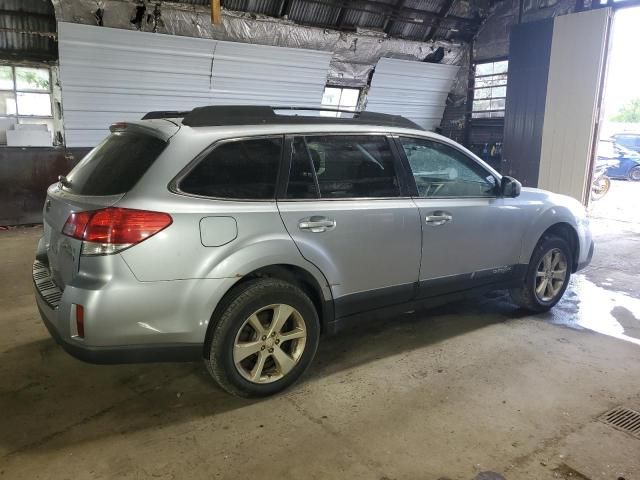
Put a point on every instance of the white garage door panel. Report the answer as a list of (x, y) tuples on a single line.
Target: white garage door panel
[(136, 80), (413, 89), (264, 75), (131, 101), (109, 75), (575, 72)]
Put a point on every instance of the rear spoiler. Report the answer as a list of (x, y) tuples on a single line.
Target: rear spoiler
[(164, 132), (164, 114)]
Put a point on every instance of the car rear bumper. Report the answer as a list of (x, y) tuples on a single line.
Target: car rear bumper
[(127, 321), (119, 354)]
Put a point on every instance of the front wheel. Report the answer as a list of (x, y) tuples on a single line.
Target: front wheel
[(547, 276), (265, 338)]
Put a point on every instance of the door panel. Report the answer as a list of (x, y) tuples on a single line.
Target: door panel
[(479, 244), (374, 245), (343, 209), (470, 236)]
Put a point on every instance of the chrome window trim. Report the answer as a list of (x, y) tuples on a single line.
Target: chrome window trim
[(343, 199)]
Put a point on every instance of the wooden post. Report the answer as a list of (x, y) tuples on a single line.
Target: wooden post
[(215, 12)]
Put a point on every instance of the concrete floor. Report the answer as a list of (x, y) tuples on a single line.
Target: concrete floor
[(473, 390)]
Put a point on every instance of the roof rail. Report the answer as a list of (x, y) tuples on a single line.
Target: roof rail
[(222, 115)]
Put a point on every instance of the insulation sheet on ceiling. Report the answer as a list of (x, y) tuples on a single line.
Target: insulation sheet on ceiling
[(109, 75), (415, 90)]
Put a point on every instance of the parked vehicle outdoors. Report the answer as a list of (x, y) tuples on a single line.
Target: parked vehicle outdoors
[(240, 234), (625, 163), (628, 140)]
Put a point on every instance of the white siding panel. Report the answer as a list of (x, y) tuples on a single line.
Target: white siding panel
[(263, 75), (575, 73), (109, 75), (413, 89)]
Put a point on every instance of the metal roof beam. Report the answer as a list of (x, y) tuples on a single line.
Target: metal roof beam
[(442, 13), (388, 11), (341, 14), (284, 8), (388, 22), (425, 13)]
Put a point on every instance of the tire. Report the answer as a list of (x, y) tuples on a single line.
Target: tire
[(634, 174), (600, 188), (252, 306), (526, 296)]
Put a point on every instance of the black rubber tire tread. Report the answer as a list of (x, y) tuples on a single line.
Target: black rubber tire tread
[(634, 169), (525, 296), (238, 305)]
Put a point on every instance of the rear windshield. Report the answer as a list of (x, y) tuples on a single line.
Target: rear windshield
[(115, 165)]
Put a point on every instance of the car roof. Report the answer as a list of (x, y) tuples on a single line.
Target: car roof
[(242, 115), (208, 124)]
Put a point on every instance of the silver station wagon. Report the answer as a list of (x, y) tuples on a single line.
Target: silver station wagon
[(239, 234)]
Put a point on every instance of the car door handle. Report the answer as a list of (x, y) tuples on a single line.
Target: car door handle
[(317, 224), (438, 218)]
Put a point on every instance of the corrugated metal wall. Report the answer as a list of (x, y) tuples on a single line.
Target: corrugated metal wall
[(109, 75), (526, 95), (264, 75), (415, 90), (27, 30)]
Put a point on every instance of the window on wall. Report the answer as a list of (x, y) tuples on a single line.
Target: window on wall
[(340, 98), (25, 99), (490, 89)]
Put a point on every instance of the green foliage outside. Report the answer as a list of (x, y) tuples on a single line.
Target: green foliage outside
[(32, 79), (629, 113), (28, 78)]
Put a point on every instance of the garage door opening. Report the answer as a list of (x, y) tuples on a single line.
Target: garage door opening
[(615, 193)]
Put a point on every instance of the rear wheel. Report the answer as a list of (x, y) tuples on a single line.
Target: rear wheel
[(265, 338), (547, 276), (634, 174)]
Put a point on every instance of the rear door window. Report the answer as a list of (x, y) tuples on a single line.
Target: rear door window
[(239, 169), (116, 165), (342, 166)]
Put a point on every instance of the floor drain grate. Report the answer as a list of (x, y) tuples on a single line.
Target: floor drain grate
[(623, 419)]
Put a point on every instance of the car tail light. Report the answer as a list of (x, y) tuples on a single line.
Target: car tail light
[(80, 320), (76, 223), (111, 230)]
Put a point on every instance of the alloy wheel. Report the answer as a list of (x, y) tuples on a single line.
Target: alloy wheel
[(551, 275), (270, 343)]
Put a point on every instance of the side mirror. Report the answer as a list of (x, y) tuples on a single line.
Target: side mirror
[(510, 187)]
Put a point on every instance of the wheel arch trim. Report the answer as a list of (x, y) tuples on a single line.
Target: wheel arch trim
[(308, 277), (556, 217)]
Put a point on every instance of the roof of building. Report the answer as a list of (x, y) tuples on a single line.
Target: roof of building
[(420, 20)]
